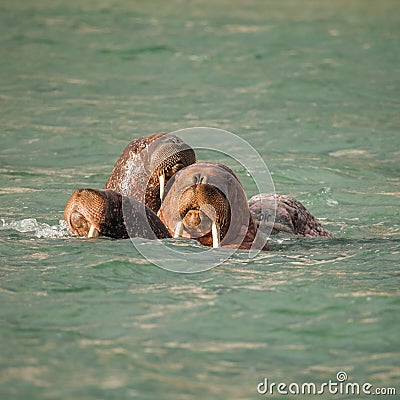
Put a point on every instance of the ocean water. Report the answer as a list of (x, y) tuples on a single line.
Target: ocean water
[(313, 86)]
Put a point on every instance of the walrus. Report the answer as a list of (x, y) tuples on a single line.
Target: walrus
[(91, 213), (285, 214), (206, 201), (146, 165)]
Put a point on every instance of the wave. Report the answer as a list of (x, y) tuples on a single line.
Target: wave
[(40, 229)]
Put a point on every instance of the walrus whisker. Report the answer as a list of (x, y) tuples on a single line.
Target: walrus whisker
[(93, 232), (215, 234), (178, 230), (162, 184)]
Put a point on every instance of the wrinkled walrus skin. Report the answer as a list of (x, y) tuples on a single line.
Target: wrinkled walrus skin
[(145, 166), (290, 216), (92, 213), (206, 201)]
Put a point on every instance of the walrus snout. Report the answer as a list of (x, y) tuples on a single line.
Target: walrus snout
[(81, 226), (198, 222), (203, 210), (192, 218), (84, 212), (169, 154)]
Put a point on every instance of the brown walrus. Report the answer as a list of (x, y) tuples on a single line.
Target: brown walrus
[(146, 165), (285, 214), (206, 201), (91, 212)]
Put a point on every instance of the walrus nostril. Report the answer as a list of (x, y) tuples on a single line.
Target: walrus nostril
[(200, 179)]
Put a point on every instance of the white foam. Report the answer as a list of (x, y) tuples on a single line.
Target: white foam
[(40, 229)]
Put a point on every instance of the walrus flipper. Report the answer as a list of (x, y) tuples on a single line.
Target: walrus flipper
[(290, 216)]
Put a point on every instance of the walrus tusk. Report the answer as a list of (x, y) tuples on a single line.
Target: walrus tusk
[(93, 232), (178, 230), (162, 184), (215, 234)]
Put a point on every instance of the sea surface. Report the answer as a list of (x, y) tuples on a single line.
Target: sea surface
[(313, 86)]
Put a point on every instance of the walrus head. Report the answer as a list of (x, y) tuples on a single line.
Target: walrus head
[(92, 213), (146, 165), (206, 201)]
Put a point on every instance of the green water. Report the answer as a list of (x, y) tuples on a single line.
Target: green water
[(312, 85)]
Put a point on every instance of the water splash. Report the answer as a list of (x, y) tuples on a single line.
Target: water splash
[(40, 229), (324, 195)]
